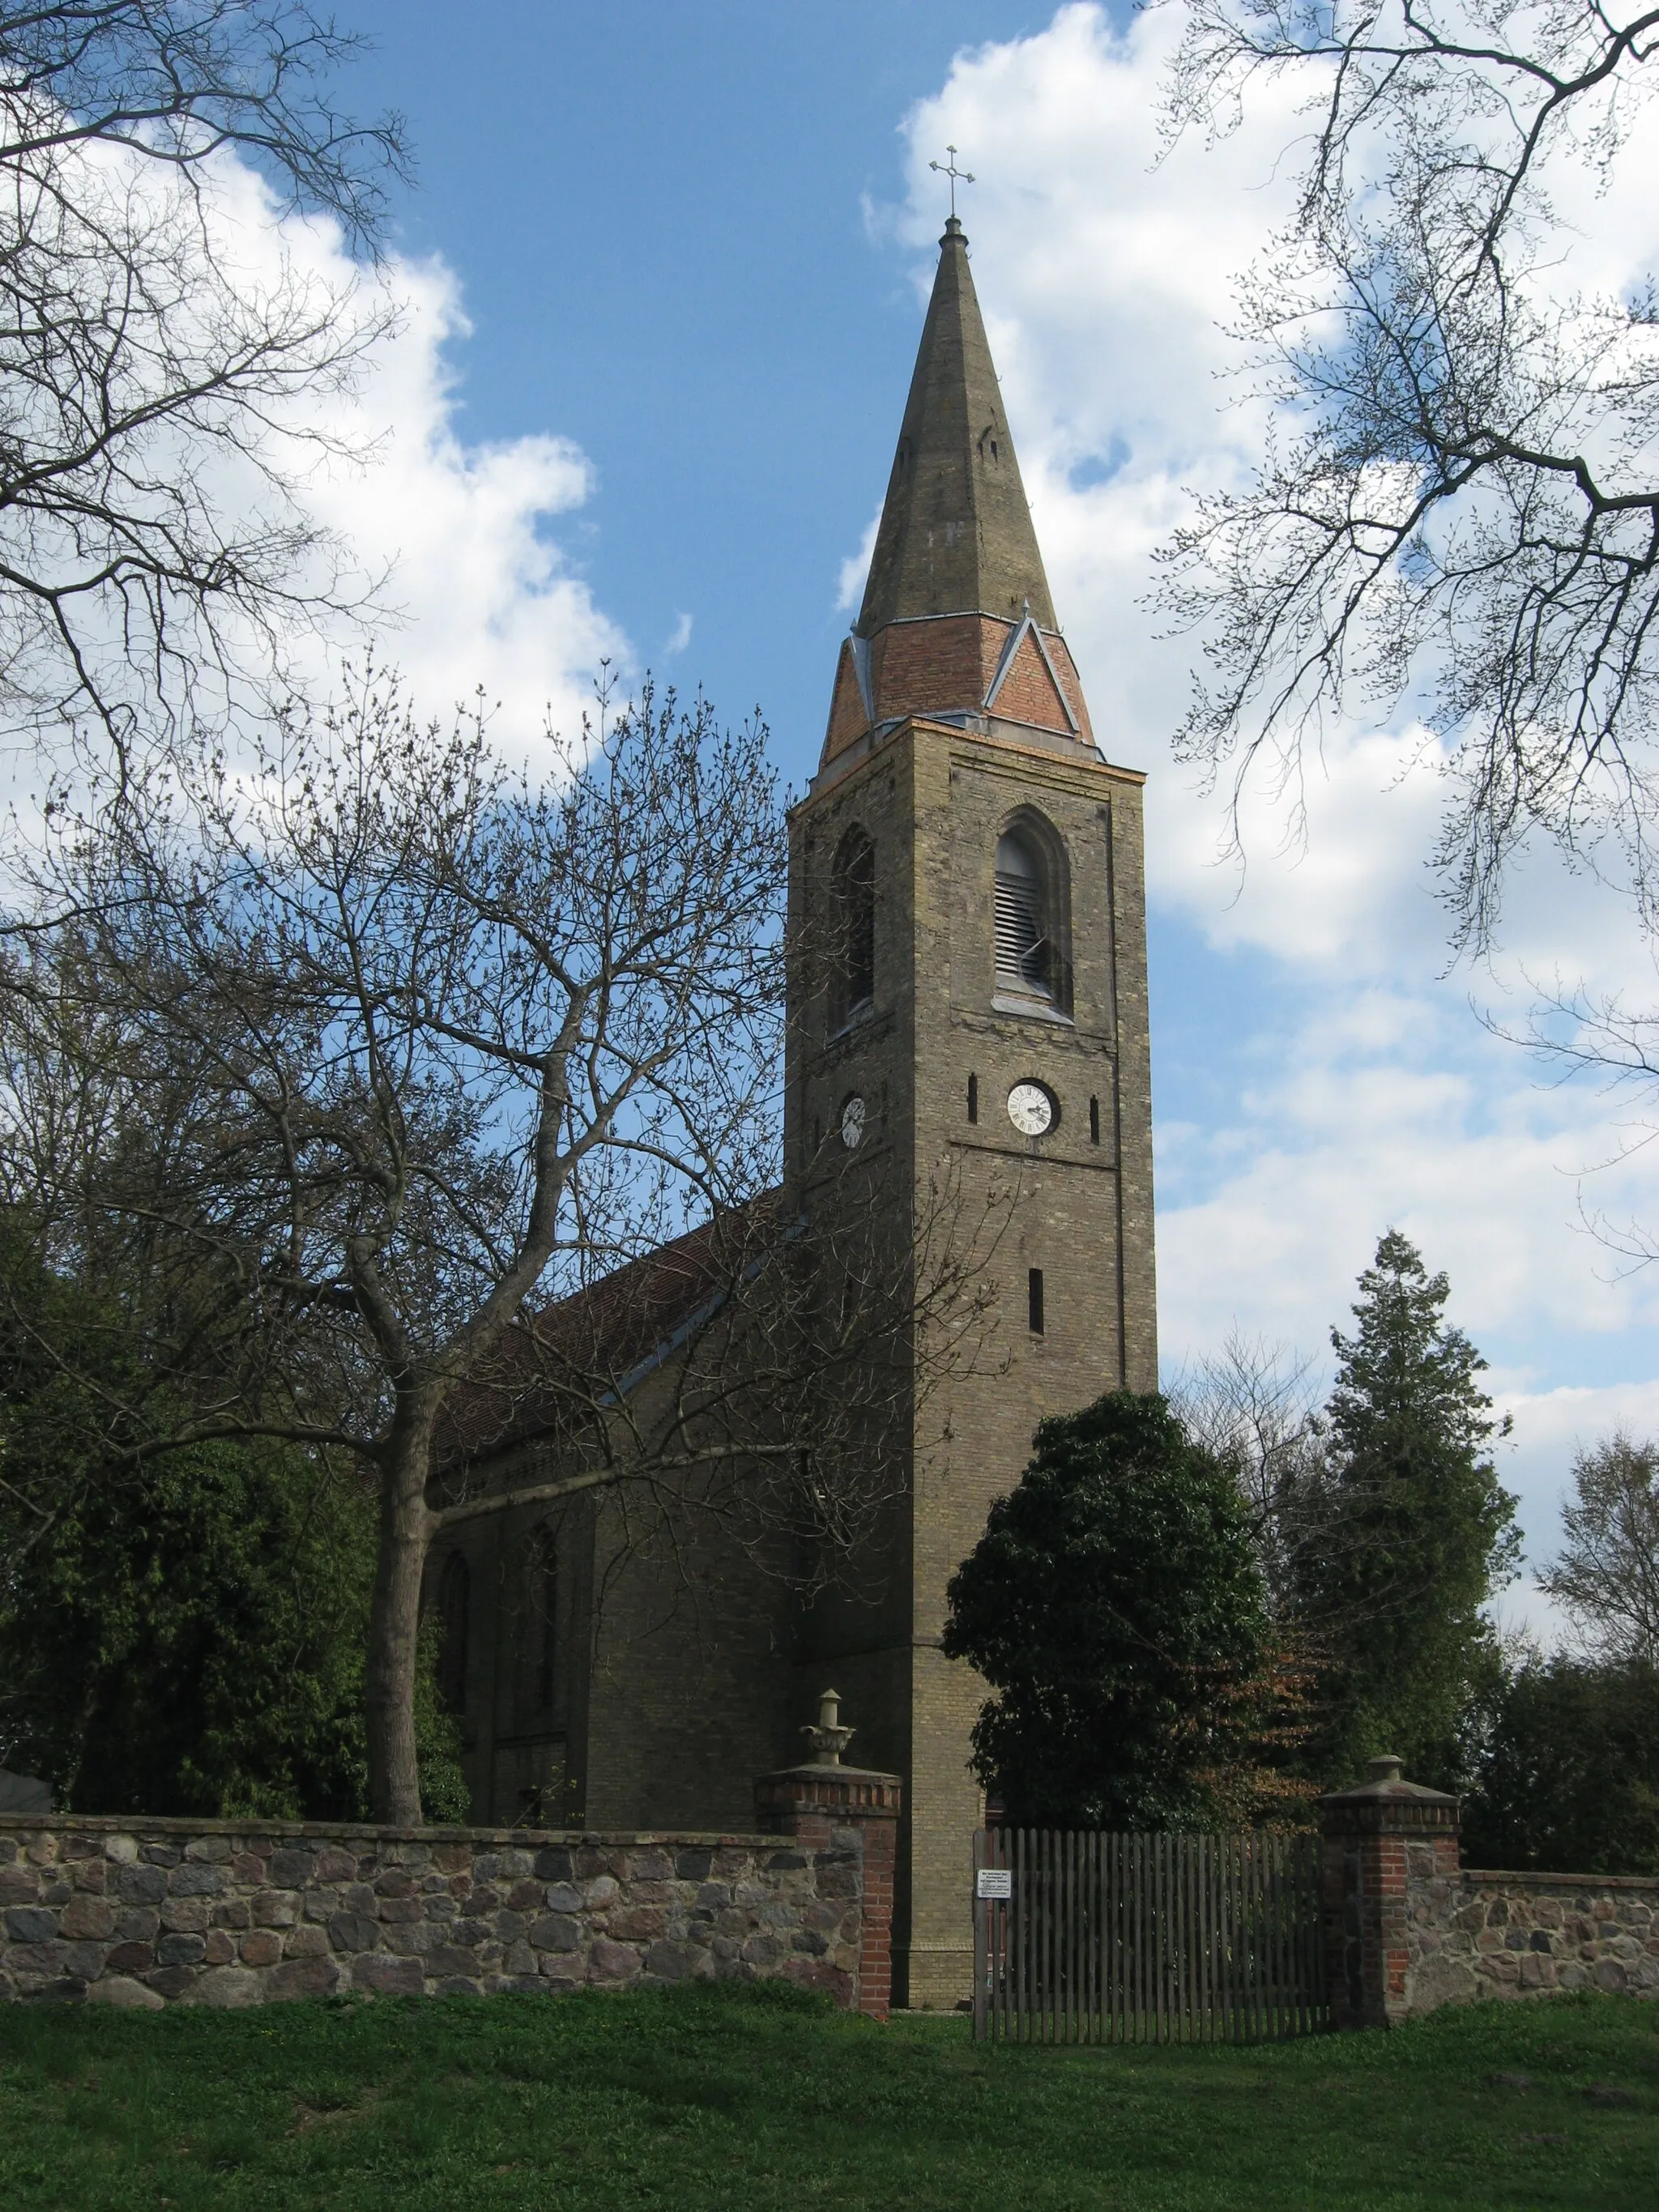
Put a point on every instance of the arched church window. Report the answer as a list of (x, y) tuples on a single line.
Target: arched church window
[(855, 926), (1027, 954), (454, 1602)]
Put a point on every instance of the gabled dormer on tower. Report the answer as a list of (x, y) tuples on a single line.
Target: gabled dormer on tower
[(957, 624)]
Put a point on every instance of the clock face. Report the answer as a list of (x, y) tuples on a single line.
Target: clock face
[(1031, 1109), (852, 1123)]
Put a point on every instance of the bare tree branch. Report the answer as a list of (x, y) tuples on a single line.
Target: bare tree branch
[(155, 560), (1457, 508), (1606, 1575)]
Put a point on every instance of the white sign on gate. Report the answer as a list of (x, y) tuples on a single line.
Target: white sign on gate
[(994, 1881)]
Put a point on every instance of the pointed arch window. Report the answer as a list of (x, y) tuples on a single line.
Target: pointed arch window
[(855, 926), (454, 1605), (1025, 948)]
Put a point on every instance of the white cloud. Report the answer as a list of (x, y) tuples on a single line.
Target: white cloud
[(850, 576), (1363, 1091), (478, 591), (484, 593), (680, 636)]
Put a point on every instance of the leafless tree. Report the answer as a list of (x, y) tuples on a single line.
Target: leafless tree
[(433, 1116), (1254, 1405), (1606, 1575), (1458, 505), (154, 559)]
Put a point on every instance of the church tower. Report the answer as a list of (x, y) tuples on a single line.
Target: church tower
[(981, 1031)]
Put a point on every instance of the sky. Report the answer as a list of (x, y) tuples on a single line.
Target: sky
[(664, 268)]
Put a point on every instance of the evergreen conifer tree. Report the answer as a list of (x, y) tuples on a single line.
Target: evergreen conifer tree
[(1407, 1530)]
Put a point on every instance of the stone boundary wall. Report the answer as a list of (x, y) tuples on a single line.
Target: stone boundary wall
[(1409, 1928), (1475, 1933), (145, 1912)]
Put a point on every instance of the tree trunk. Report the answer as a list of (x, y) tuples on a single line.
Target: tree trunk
[(394, 1777)]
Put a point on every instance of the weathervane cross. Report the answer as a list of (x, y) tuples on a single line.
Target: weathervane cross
[(956, 176)]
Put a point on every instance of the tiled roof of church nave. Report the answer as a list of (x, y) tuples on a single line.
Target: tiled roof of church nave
[(599, 1338)]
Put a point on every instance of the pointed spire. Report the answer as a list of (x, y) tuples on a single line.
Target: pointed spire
[(956, 534)]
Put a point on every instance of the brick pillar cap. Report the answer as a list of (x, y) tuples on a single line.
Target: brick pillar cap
[(1386, 1785), (811, 1772)]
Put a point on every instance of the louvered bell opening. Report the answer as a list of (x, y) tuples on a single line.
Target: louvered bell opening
[(1022, 963)]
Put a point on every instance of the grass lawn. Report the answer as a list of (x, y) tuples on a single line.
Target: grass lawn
[(737, 2099)]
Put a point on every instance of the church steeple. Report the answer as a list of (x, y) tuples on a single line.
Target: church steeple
[(956, 534), (957, 624)]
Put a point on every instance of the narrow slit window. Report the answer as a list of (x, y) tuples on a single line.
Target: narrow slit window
[(1025, 959), (1094, 1121), (1034, 1295), (973, 1098)]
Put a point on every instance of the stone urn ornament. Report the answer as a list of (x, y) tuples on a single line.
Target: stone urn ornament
[(828, 1738)]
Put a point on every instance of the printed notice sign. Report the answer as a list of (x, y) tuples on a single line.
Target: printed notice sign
[(995, 1882)]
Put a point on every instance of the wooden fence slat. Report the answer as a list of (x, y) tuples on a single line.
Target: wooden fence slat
[(1189, 1914), (982, 1913), (1129, 1908), (1116, 1926), (1153, 1991), (1285, 1938), (1046, 2012), (1020, 1938), (1098, 1928), (1055, 1956), (1260, 1919), (1080, 1949), (1062, 1948), (1230, 1921), (1080, 1941), (1218, 1850), (1086, 1888), (1174, 1948), (1120, 1938), (1039, 1881)]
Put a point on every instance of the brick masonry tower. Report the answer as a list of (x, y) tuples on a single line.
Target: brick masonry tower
[(978, 1028)]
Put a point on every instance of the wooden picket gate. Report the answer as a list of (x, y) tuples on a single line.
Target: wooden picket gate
[(1082, 1937)]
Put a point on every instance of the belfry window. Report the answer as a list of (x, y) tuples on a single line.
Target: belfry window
[(855, 926), (1025, 949)]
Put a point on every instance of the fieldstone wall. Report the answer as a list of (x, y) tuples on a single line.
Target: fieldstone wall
[(1474, 1933), (143, 1913), (1408, 1928)]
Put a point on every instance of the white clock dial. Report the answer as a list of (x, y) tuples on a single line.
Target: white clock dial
[(852, 1123), (1031, 1109)]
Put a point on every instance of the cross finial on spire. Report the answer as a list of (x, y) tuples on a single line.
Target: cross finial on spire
[(956, 176)]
